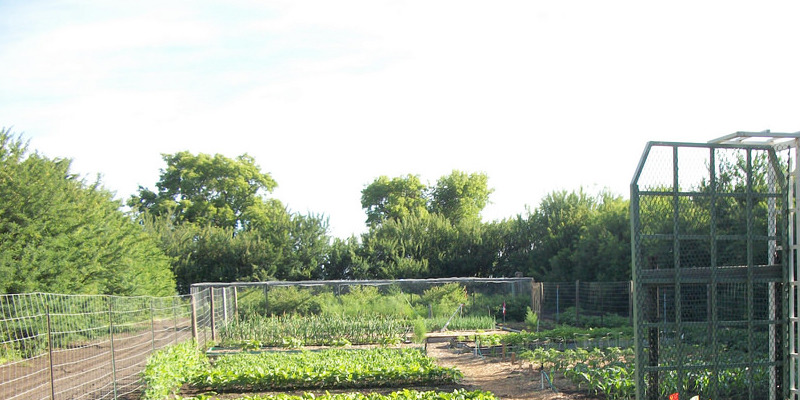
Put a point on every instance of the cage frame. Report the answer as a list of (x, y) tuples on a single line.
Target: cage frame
[(783, 325)]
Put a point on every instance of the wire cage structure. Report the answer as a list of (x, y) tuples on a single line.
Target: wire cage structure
[(714, 268), (215, 305)]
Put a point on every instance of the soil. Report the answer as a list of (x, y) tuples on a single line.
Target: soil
[(507, 379)]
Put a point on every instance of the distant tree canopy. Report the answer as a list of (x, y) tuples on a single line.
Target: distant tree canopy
[(210, 220), (458, 196), (61, 234), (214, 221), (571, 235), (395, 198), (209, 190)]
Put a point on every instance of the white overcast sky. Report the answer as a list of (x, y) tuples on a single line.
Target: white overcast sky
[(328, 95)]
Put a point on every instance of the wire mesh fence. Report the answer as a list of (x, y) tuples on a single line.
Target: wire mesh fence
[(55, 346), (585, 303), (496, 298), (710, 228), (593, 304)]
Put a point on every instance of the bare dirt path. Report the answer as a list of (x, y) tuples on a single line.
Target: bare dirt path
[(507, 380)]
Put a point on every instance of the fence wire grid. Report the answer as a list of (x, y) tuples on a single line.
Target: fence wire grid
[(55, 346), (709, 227)]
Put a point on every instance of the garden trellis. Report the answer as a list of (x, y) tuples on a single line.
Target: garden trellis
[(714, 267)]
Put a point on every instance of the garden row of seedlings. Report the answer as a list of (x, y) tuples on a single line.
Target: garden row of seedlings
[(330, 368), (602, 362), (598, 360)]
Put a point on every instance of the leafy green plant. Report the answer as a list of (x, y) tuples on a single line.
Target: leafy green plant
[(332, 368), (166, 370), (420, 330), (460, 323), (532, 320), (405, 394), (312, 330)]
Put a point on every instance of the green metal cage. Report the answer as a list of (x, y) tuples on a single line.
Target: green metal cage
[(710, 239)]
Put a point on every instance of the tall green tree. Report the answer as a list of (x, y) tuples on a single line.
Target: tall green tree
[(206, 189), (460, 196), (215, 221), (346, 260), (556, 228), (603, 251), (61, 234), (395, 198)]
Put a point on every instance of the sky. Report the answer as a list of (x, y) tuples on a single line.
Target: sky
[(540, 95)]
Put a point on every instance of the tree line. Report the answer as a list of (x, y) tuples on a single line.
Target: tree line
[(211, 218)]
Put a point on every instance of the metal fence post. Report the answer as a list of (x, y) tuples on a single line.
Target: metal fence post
[(224, 305), (236, 301), (213, 319), (111, 333), (50, 351), (194, 316), (630, 302)]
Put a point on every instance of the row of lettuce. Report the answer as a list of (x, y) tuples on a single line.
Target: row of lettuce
[(185, 366)]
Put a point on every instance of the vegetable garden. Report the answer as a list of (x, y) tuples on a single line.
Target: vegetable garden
[(367, 338)]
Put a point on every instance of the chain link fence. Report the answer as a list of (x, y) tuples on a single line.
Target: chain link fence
[(578, 303), (709, 229), (55, 346)]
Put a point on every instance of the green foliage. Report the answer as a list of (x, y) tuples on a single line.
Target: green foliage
[(460, 196), (397, 198), (531, 320), (208, 190), (61, 234), (212, 218), (167, 370), (294, 250), (405, 394), (565, 333), (330, 369), (420, 330), (516, 306), (313, 330), (445, 299), (361, 300), (460, 323)]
